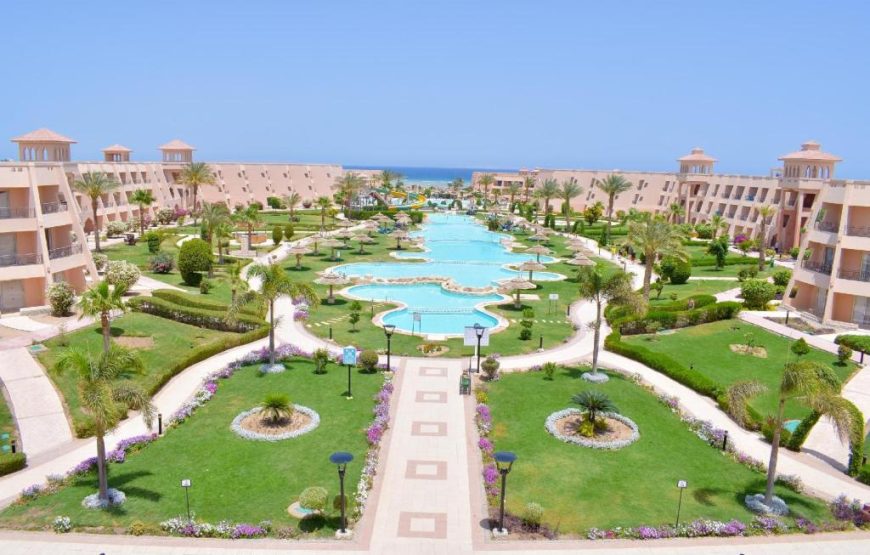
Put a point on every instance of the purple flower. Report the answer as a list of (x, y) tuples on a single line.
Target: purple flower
[(490, 474), (485, 445), (247, 531), (374, 434)]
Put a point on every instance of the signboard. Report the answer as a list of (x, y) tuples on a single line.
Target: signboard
[(682, 484), (348, 356), (554, 296), (416, 316), (471, 337), (185, 483)]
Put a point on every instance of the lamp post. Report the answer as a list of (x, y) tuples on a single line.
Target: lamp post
[(186, 485), (388, 331), (681, 485), (478, 331), (340, 460), (504, 460)]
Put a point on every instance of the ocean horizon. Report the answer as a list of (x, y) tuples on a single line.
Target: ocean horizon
[(434, 176)]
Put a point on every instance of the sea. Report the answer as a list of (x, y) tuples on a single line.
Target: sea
[(429, 177)]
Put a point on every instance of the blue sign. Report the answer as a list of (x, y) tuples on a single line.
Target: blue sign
[(348, 356)]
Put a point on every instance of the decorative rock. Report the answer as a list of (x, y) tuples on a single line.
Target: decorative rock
[(756, 504), (93, 501), (595, 377), (276, 368)]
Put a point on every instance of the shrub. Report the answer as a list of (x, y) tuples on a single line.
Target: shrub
[(368, 359), (100, 261), (209, 319), (205, 286), (864, 474), (757, 293), (195, 301), (61, 524), (549, 369), (673, 319), (162, 263), (844, 354), (859, 343), (681, 273), (416, 216), (275, 202), (747, 272), (320, 357), (313, 498), (793, 252), (533, 515), (12, 462), (800, 347), (61, 297), (166, 216), (782, 277), (856, 439), (277, 234), (195, 256), (115, 228), (289, 232), (490, 367), (153, 239), (122, 273), (525, 334)]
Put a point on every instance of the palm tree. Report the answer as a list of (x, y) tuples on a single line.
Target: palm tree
[(601, 288), (276, 407), (348, 186), (250, 218), (513, 189), (718, 222), (324, 204), (194, 175), (654, 237), (94, 185), (613, 185), (737, 395), (274, 284), (223, 230), (766, 212), (100, 301), (528, 185), (237, 282), (292, 201), (549, 189), (144, 198), (569, 190), (674, 212), (386, 177), (594, 402), (213, 214), (485, 181), (103, 384), (456, 186)]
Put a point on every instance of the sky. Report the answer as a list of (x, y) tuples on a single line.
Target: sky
[(502, 84)]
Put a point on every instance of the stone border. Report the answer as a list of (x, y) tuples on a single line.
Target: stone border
[(550, 425), (247, 434)]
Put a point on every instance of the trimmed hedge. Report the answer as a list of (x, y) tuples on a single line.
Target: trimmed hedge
[(616, 312), (856, 440), (669, 319), (802, 431), (729, 260), (196, 301), (854, 342), (209, 319), (12, 462)]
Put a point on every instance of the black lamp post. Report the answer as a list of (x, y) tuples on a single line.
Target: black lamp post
[(478, 331), (186, 485), (340, 459), (388, 331), (504, 460)]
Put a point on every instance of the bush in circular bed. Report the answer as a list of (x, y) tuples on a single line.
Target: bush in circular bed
[(195, 256)]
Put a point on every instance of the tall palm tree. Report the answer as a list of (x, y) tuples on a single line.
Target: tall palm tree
[(223, 231), (456, 186), (292, 201), (274, 283), (570, 189), (548, 190), (103, 385), (94, 185), (194, 175), (485, 181), (213, 215), (654, 237), (324, 204), (528, 185), (613, 185), (766, 212), (386, 177), (100, 301), (143, 198), (250, 218), (237, 281), (675, 210), (718, 223), (348, 185)]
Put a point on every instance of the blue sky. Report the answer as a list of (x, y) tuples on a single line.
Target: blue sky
[(630, 85)]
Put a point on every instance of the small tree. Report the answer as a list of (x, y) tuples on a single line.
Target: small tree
[(527, 322), (719, 249), (549, 370), (194, 257), (320, 357), (276, 407), (490, 367), (289, 232), (122, 273), (757, 293), (144, 198), (277, 234), (355, 309), (100, 301), (844, 355), (800, 347), (61, 297), (593, 402)]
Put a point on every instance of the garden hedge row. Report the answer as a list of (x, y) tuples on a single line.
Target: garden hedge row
[(196, 301), (706, 261), (615, 312), (12, 463), (655, 320), (209, 319), (856, 440), (854, 342)]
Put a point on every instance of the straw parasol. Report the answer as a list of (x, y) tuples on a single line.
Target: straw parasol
[(345, 224), (344, 235), (362, 240), (531, 266), (399, 235), (539, 250), (539, 237), (516, 285), (580, 260), (298, 251), (332, 244), (331, 279)]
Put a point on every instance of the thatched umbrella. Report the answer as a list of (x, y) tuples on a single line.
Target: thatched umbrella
[(363, 240), (332, 244), (399, 235), (343, 235), (331, 279), (514, 286), (539, 250), (539, 237), (531, 266), (580, 260), (574, 246), (298, 251), (344, 224)]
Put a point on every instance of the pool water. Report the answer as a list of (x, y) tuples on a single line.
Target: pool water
[(791, 425)]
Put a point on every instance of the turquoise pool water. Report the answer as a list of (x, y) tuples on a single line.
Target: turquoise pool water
[(440, 311), (791, 425)]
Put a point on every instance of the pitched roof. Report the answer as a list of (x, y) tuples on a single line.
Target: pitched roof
[(697, 155), (811, 150), (116, 148), (42, 136), (176, 144)]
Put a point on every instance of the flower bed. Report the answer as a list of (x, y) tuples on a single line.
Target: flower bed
[(236, 425), (180, 526), (551, 427), (374, 436)]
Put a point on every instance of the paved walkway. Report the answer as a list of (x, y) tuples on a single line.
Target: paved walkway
[(36, 404)]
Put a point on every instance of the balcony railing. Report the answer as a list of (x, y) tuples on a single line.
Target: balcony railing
[(819, 267), (63, 252), (7, 213), (856, 275), (54, 207), (860, 231), (20, 259), (828, 226)]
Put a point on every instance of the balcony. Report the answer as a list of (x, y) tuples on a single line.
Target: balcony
[(20, 259), (830, 227), (54, 207), (63, 252), (818, 267), (7, 213), (858, 231)]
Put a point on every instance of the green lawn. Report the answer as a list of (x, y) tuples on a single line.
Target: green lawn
[(730, 270), (706, 348), (7, 424), (172, 341), (581, 488), (691, 288), (232, 478)]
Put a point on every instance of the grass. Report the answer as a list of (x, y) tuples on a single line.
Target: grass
[(581, 488), (706, 348), (232, 478), (7, 423), (691, 288), (172, 342)]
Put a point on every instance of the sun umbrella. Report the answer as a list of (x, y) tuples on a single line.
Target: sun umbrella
[(363, 240), (538, 237), (298, 251), (531, 266), (332, 244), (399, 235), (580, 260), (345, 224), (539, 250), (331, 279), (516, 285)]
